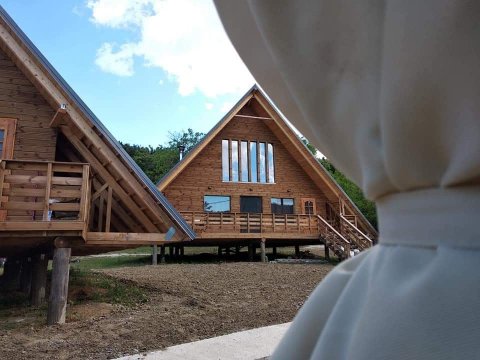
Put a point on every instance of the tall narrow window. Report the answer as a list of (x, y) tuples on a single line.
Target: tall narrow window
[(244, 161), (253, 162), (262, 163), (271, 165), (235, 160), (225, 161)]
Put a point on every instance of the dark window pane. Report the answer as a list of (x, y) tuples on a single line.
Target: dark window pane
[(250, 204), (282, 206), (287, 206), (2, 135), (253, 161), (215, 203)]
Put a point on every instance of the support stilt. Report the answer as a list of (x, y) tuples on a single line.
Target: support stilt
[(219, 251), (170, 251), (39, 279), (250, 252), (57, 304), (162, 254), (274, 251), (10, 279), (297, 250), (26, 276), (327, 252), (263, 256), (237, 250), (154, 254)]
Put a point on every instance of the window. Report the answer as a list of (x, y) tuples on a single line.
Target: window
[(282, 206), (225, 161), (216, 203), (7, 137), (309, 207), (250, 204), (247, 161)]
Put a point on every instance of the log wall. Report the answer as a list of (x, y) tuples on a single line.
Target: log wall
[(203, 176), (19, 99)]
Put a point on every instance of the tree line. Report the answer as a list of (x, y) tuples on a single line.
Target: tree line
[(156, 162)]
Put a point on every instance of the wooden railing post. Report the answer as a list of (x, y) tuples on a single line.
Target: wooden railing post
[(84, 193), (273, 222), (248, 222), (48, 189)]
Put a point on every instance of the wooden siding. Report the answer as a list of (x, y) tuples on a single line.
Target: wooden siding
[(203, 176), (19, 99)]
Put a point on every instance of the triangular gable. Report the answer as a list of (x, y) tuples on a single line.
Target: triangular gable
[(138, 196), (287, 136)]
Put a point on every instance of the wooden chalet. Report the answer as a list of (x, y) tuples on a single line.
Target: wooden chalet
[(66, 185), (252, 181)]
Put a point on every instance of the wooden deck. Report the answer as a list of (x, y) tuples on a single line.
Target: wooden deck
[(293, 227)]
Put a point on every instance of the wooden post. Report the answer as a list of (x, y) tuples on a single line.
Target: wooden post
[(57, 304), (250, 252), (327, 251), (263, 256), (177, 251), (26, 276), (154, 254), (182, 251), (170, 251), (39, 279), (274, 250), (162, 254), (237, 250), (219, 251), (297, 250), (227, 251)]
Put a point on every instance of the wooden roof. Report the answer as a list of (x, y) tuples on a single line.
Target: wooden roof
[(284, 132), (139, 204)]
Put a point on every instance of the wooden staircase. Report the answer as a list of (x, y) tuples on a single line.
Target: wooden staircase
[(346, 241)]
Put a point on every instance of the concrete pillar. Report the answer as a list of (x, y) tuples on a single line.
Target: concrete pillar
[(154, 254), (57, 304), (263, 256), (39, 279), (162, 254)]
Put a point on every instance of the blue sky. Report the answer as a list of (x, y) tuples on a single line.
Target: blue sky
[(145, 67)]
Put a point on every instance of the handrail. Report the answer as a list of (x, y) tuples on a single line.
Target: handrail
[(357, 230), (333, 229)]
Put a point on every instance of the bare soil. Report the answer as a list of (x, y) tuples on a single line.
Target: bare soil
[(186, 302)]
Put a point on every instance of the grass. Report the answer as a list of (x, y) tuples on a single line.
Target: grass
[(87, 286), (89, 263)]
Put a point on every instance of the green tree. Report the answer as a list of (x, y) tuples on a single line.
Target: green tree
[(187, 138), (366, 206)]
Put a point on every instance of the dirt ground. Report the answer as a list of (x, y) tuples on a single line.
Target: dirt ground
[(186, 302)]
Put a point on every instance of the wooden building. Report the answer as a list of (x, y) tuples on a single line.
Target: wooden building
[(66, 185), (252, 181)]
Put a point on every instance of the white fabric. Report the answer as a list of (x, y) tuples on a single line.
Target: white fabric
[(390, 92)]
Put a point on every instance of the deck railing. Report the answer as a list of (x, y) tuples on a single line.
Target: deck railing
[(37, 191), (251, 223)]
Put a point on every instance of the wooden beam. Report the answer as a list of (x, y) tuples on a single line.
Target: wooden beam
[(107, 177), (108, 215), (101, 238), (40, 225), (39, 279), (48, 188), (99, 192), (58, 118)]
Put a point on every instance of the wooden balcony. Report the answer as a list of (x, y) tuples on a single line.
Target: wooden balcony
[(247, 225), (43, 198)]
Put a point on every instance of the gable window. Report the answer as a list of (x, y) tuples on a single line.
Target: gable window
[(248, 161), (282, 206), (216, 203), (7, 137)]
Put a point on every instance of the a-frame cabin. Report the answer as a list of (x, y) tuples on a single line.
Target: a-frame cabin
[(252, 181), (66, 185)]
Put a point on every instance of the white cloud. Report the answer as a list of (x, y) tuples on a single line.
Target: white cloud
[(119, 62), (183, 37), (208, 106), (226, 106)]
